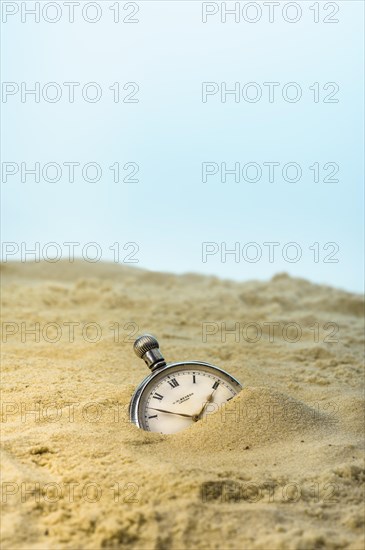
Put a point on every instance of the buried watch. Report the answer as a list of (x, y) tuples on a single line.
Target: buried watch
[(175, 395)]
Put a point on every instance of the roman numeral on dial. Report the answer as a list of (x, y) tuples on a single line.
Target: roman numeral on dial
[(158, 396), (173, 383)]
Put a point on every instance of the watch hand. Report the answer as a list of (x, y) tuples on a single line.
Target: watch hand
[(197, 417), (170, 412)]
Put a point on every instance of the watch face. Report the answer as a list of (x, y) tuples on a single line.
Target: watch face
[(181, 394)]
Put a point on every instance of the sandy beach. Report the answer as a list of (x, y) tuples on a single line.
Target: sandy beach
[(281, 467)]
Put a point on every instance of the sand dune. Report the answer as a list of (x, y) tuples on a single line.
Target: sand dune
[(280, 467)]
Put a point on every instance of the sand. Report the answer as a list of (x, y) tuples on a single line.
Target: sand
[(281, 467)]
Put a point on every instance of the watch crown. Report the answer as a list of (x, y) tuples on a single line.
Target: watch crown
[(147, 348), (144, 343)]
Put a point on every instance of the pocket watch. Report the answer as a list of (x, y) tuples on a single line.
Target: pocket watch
[(175, 395)]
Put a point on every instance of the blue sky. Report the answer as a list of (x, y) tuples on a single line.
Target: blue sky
[(169, 212)]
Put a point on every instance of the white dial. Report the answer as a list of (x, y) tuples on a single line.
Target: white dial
[(181, 394)]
